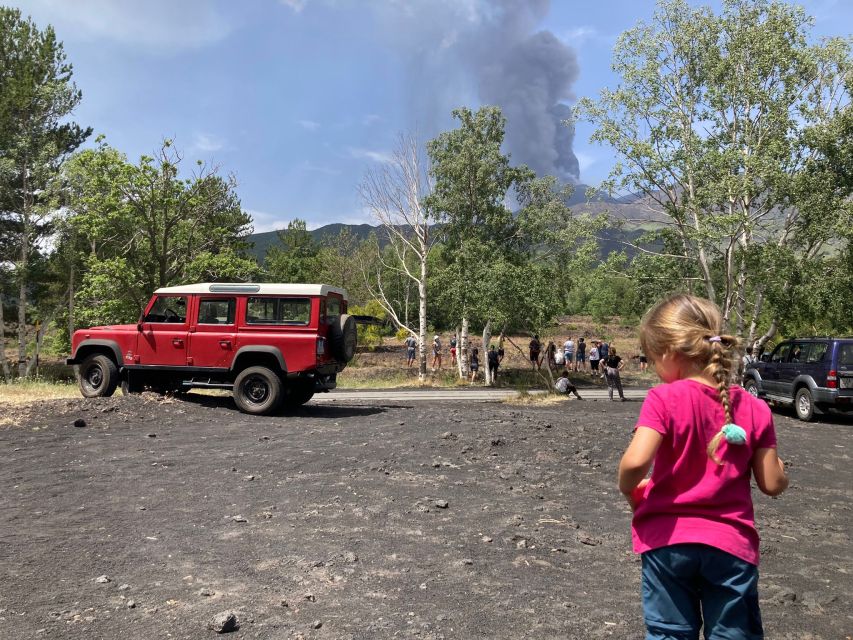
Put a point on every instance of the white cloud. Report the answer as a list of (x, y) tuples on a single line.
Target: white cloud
[(310, 125), (264, 221), (207, 143), (316, 168), (161, 26), (581, 34), (585, 160), (371, 118), (295, 5), (370, 154)]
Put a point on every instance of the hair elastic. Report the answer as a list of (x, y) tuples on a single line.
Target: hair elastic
[(715, 339), (734, 434)]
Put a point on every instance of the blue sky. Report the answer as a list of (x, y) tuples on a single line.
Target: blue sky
[(298, 98)]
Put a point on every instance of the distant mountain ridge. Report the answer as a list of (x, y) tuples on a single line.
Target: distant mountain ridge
[(634, 210)]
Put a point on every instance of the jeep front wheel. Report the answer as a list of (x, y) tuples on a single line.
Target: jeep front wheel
[(804, 404), (751, 387), (257, 390), (98, 376)]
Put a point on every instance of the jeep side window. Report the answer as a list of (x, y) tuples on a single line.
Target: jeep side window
[(278, 311), (817, 351), (845, 354), (333, 309), (171, 309), (216, 311), (781, 353)]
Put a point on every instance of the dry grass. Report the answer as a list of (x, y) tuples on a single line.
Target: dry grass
[(29, 391), (526, 399)]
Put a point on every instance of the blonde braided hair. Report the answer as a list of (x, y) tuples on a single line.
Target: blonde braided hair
[(691, 326)]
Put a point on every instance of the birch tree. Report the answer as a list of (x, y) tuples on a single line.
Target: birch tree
[(396, 194), (708, 123)]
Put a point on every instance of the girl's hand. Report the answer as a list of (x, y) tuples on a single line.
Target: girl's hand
[(637, 495)]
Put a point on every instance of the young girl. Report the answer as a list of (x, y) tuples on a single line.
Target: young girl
[(693, 519)]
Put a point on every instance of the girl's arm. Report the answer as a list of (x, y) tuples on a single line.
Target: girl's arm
[(769, 471), (637, 460)]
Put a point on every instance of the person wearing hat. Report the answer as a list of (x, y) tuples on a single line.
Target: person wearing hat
[(436, 353)]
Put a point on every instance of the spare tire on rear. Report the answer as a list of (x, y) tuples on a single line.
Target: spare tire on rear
[(343, 338)]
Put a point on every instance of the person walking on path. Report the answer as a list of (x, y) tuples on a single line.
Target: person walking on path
[(580, 359), (494, 363), (612, 366), (693, 520), (593, 358), (565, 387), (436, 354), (453, 350), (411, 343), (535, 349)]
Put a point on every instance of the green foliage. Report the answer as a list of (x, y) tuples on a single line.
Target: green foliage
[(733, 125), (144, 226), (296, 259), (37, 98), (369, 336)]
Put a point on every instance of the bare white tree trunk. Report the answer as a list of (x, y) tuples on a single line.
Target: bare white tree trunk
[(462, 350), (395, 195), (422, 327)]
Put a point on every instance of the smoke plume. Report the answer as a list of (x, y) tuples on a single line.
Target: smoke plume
[(488, 52)]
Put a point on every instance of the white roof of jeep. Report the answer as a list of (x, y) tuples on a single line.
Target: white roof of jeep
[(260, 288)]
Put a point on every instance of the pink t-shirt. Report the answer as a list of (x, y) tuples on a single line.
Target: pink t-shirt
[(690, 498)]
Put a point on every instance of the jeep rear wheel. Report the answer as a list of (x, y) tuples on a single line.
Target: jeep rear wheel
[(257, 390), (344, 338), (98, 376), (298, 394), (804, 404)]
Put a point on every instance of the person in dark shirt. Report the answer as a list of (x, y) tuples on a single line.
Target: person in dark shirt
[(535, 349), (494, 362), (475, 364), (612, 366)]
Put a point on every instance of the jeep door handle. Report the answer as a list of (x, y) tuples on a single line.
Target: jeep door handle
[(178, 342), (225, 344)]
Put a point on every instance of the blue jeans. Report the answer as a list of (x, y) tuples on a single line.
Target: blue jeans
[(686, 584)]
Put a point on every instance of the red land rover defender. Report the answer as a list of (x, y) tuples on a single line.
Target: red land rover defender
[(268, 343)]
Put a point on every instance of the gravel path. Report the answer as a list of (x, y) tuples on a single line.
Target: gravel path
[(371, 519)]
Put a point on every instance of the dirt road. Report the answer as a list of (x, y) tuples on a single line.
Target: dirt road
[(370, 519)]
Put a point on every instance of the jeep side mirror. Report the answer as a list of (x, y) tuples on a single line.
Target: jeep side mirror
[(139, 326), (765, 357)]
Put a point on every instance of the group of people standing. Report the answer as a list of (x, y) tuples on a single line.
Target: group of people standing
[(603, 361), (494, 356)]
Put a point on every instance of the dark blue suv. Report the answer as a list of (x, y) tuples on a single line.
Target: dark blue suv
[(812, 374)]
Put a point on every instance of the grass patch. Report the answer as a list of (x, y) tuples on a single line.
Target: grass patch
[(27, 391), (523, 398)]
